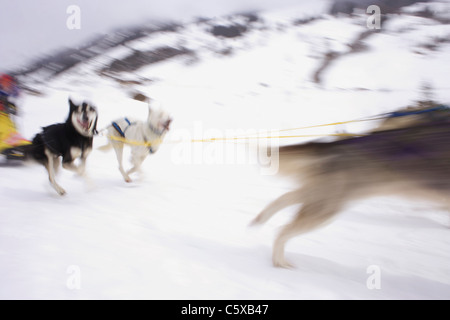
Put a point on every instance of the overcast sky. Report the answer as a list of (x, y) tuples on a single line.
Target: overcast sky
[(29, 28)]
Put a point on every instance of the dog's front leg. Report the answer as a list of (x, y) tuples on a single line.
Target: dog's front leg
[(82, 170), (50, 166), (68, 161), (82, 166), (69, 165)]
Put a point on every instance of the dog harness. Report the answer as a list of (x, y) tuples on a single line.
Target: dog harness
[(396, 114), (119, 130), (122, 131)]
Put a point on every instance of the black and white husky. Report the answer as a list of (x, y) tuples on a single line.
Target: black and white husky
[(144, 138), (70, 140)]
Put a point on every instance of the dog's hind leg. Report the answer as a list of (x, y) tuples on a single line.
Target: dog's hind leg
[(50, 166), (138, 157), (316, 210), (118, 149), (286, 200)]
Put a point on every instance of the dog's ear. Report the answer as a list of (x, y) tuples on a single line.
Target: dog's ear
[(72, 105), (94, 130), (167, 125)]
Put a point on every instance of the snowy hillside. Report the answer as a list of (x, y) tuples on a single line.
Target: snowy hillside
[(181, 232)]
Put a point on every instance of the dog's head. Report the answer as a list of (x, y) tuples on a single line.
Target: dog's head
[(84, 118), (159, 120)]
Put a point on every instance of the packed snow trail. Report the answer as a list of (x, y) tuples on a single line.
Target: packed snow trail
[(181, 231)]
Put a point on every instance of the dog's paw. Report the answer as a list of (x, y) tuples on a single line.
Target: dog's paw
[(128, 180), (281, 262), (255, 222)]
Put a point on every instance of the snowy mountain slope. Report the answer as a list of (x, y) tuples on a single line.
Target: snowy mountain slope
[(181, 231)]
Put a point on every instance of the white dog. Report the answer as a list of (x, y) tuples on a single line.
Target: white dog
[(144, 138)]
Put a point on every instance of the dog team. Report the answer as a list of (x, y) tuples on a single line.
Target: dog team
[(407, 156), (72, 140)]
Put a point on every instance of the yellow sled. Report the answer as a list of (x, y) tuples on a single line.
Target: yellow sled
[(10, 139)]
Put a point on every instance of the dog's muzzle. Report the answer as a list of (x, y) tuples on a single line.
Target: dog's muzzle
[(86, 124)]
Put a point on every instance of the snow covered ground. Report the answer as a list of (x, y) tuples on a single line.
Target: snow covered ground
[(181, 231)]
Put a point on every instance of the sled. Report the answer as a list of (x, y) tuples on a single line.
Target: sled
[(11, 141)]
